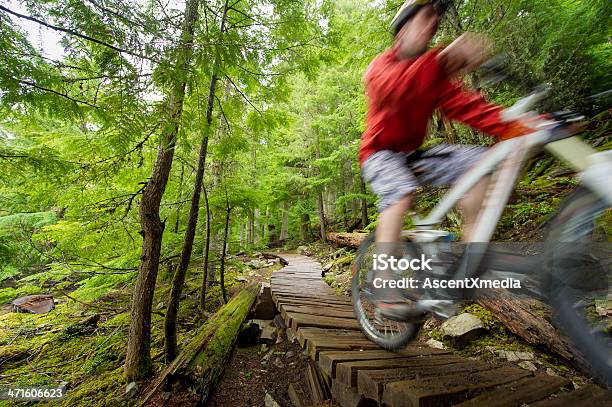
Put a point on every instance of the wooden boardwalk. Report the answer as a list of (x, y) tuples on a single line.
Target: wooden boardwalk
[(362, 374)]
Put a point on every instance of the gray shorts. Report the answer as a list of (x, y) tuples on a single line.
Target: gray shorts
[(392, 175)]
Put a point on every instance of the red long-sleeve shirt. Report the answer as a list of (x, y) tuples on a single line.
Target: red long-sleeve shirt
[(403, 93)]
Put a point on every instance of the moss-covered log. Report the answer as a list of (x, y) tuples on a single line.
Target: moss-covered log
[(352, 240), (201, 362)]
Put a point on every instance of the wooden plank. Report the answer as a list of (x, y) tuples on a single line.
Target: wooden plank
[(305, 302), (447, 389), (315, 347), (346, 372), (298, 395), (305, 334), (371, 383), (319, 310), (313, 295), (329, 360), (279, 296), (586, 396), (520, 392), (347, 396), (316, 390), (297, 321)]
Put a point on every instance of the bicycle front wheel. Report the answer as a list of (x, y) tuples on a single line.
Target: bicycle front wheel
[(578, 259), (388, 334)]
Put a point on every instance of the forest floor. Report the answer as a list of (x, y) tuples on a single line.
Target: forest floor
[(82, 343)]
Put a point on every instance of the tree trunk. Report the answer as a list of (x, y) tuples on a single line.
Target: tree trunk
[(364, 204), (202, 361), (251, 231), (206, 254), (304, 227), (179, 276), (322, 224), (138, 358), (285, 222), (180, 199), (222, 267)]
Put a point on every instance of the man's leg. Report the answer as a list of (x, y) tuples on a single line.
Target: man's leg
[(470, 206), (393, 182), (391, 220)]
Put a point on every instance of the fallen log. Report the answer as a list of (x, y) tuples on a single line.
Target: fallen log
[(201, 362), (521, 317), (352, 240), (269, 256)]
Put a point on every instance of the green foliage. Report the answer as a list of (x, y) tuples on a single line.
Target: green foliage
[(80, 131)]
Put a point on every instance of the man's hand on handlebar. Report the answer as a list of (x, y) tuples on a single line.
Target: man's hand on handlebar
[(466, 53)]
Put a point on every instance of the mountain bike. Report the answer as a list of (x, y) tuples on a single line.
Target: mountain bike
[(570, 270)]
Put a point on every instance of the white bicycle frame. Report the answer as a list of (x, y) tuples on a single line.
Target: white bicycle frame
[(504, 162)]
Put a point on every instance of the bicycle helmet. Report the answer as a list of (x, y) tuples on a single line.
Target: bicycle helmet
[(411, 7)]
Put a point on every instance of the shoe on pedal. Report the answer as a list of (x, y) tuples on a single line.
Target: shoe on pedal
[(399, 311), (397, 304)]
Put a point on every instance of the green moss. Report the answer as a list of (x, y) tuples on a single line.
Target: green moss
[(9, 294), (105, 389)]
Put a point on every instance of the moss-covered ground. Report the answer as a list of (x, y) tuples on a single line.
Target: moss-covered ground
[(60, 347)]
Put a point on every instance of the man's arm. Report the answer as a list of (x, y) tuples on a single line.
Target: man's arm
[(471, 108)]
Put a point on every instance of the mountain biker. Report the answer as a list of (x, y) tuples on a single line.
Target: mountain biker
[(404, 85)]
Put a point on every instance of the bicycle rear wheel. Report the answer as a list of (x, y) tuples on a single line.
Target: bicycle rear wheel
[(578, 259), (389, 334)]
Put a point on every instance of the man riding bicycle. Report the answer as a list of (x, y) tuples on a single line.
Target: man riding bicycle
[(405, 84)]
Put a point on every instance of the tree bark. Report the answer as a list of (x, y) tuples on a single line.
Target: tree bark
[(521, 318), (138, 358), (180, 199), (364, 203), (222, 267), (352, 240), (206, 253), (178, 281), (304, 226), (322, 222), (285, 222)]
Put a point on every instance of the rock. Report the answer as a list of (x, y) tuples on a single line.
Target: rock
[(241, 279), (269, 401), (278, 363), (131, 389), (257, 264), (160, 306), (35, 304), (267, 356), (464, 326), (515, 356), (289, 354), (327, 267), (528, 366), (268, 333), (338, 253), (603, 307), (435, 344), (263, 348), (551, 372)]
